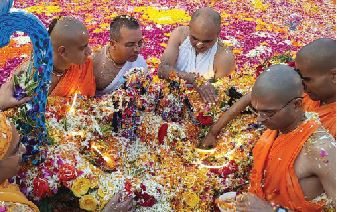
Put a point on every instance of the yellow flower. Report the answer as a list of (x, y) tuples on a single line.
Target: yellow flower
[(189, 180), (155, 79), (258, 5), (171, 16), (48, 10), (80, 186), (88, 202), (191, 199)]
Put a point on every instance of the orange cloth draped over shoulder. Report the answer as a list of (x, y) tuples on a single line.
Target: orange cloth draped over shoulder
[(10, 192), (273, 176), (78, 78), (326, 113)]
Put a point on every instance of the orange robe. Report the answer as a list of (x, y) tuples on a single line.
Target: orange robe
[(273, 176), (10, 193), (326, 113), (78, 78)]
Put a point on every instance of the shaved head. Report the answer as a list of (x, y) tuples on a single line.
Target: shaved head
[(276, 95), (320, 54), (204, 29), (316, 62), (70, 40), (207, 17), (66, 30), (280, 82)]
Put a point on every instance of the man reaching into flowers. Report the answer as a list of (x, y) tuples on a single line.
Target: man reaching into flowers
[(316, 64), (295, 159), (197, 50)]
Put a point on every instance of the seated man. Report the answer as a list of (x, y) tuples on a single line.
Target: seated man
[(197, 49), (120, 55), (288, 171), (316, 63), (73, 69)]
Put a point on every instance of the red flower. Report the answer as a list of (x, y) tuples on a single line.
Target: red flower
[(128, 112), (41, 188), (225, 171), (259, 70), (205, 120), (162, 133), (291, 64), (128, 186), (67, 173), (145, 199), (143, 187), (148, 200)]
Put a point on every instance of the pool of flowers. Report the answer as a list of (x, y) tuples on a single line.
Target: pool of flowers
[(143, 138)]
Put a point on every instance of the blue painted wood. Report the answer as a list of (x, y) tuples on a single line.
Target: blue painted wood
[(13, 21)]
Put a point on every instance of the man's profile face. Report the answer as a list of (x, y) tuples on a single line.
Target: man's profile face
[(317, 84), (129, 44), (202, 39)]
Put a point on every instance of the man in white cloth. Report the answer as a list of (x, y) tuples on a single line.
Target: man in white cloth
[(197, 49), (121, 54)]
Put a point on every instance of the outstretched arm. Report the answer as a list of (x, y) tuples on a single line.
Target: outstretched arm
[(235, 110)]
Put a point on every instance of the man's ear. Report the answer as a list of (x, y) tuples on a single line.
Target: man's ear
[(298, 103), (333, 75), (113, 44), (62, 51)]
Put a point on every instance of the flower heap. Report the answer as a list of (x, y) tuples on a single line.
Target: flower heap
[(142, 151)]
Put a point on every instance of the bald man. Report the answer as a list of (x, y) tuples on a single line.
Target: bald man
[(197, 50), (287, 173), (316, 64), (73, 69)]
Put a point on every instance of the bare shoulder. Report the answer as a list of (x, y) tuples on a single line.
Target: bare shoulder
[(224, 61), (224, 51), (180, 33), (98, 55), (320, 140), (320, 148)]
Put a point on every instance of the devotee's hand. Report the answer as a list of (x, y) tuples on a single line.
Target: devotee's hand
[(209, 141), (7, 100), (207, 93), (250, 203), (163, 73), (116, 204)]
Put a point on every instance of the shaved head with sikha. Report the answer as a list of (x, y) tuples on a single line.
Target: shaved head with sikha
[(277, 94), (205, 26), (316, 63), (70, 40), (206, 17)]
